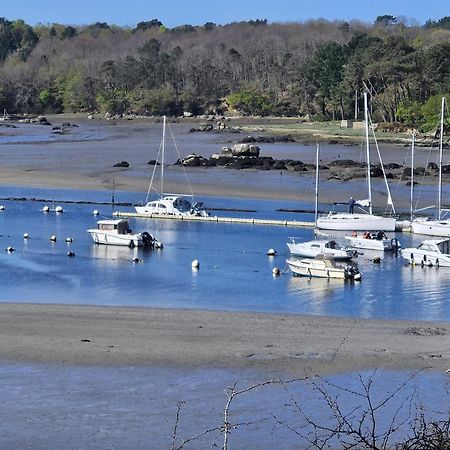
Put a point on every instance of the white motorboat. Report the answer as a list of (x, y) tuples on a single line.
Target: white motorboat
[(373, 241), (431, 252), (169, 204), (311, 249), (322, 267), (349, 221), (117, 232)]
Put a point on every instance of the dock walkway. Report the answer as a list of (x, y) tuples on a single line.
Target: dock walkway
[(218, 219)]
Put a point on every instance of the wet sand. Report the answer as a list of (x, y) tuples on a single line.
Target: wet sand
[(110, 336)]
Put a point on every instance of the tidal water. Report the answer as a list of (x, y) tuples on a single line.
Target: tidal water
[(235, 273), (70, 407)]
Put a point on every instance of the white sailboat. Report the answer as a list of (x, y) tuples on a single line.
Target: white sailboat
[(168, 204), (349, 221), (437, 226)]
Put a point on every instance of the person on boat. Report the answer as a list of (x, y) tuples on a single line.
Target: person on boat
[(351, 205), (381, 235), (366, 235), (354, 234)]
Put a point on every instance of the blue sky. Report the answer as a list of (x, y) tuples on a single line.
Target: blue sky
[(197, 12)]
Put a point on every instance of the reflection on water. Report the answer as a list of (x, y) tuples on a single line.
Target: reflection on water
[(235, 272)]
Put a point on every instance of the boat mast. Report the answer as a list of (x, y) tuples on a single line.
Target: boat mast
[(316, 209), (162, 156), (440, 159), (366, 119), (412, 174)]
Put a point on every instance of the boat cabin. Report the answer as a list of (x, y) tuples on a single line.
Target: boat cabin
[(118, 226), (437, 246)]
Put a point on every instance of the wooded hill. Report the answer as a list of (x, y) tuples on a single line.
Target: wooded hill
[(257, 68)]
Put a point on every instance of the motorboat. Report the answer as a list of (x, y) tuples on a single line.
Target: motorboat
[(322, 267), (311, 249), (168, 204), (118, 232), (366, 220), (431, 252), (373, 241), (173, 205)]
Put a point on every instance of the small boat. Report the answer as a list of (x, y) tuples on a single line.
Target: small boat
[(117, 232), (431, 252), (311, 249), (373, 241), (322, 267)]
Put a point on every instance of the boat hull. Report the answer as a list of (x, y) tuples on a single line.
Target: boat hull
[(308, 252), (321, 268), (356, 222), (132, 240), (415, 256), (383, 245), (431, 227)]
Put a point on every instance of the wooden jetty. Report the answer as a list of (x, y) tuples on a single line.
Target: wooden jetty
[(218, 219)]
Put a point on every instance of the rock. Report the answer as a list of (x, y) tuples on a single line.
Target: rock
[(417, 171), (192, 161), (245, 150), (266, 139), (122, 164), (432, 166), (346, 163), (376, 171), (187, 114), (153, 162), (392, 166)]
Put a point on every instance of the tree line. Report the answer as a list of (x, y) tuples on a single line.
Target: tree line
[(317, 68)]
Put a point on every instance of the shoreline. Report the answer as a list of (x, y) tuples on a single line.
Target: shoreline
[(188, 339)]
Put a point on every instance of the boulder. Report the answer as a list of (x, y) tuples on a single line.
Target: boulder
[(245, 150), (122, 164), (392, 166), (346, 163), (192, 160), (432, 166), (153, 162)]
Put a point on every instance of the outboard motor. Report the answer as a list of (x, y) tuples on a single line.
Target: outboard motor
[(147, 239), (352, 273)]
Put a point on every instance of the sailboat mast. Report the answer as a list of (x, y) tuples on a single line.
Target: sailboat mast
[(412, 175), (441, 139), (163, 148), (316, 209), (366, 119)]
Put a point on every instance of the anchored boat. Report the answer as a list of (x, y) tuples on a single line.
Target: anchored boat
[(118, 232), (322, 267)]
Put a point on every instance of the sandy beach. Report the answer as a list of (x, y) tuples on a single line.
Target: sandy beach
[(87, 335)]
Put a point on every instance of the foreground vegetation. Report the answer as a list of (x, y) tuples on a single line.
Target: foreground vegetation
[(317, 68)]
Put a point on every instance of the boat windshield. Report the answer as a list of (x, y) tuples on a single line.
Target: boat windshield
[(444, 247)]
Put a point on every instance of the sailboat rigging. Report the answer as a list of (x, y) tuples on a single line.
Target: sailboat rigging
[(439, 226), (361, 221), (168, 204)]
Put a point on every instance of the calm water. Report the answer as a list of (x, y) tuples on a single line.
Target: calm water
[(48, 407), (235, 273)]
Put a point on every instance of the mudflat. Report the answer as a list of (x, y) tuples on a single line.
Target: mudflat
[(110, 336)]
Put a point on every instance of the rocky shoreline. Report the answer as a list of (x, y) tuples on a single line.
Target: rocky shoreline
[(247, 156)]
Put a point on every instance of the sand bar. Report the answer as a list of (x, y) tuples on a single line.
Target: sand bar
[(89, 335)]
